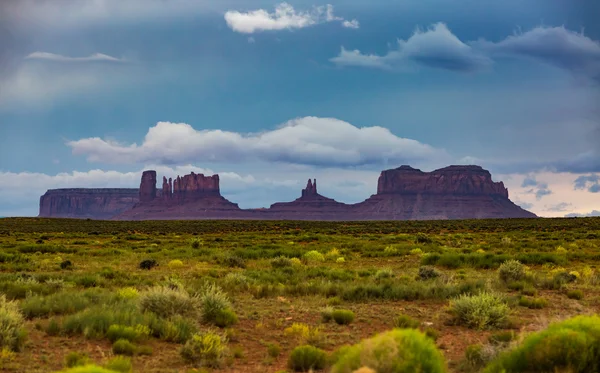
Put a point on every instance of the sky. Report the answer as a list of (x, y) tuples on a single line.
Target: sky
[(268, 94)]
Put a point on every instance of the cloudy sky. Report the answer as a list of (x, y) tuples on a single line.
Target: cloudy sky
[(268, 94)]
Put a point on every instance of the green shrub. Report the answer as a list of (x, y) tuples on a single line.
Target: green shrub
[(511, 270), (529, 290), (87, 369), (481, 311), (428, 272), (304, 334), (502, 337), (384, 273), (225, 318), (342, 317), (120, 364), (63, 303), (205, 349), (399, 350), (131, 333), (281, 262), (534, 303), (305, 358), (314, 256), (213, 301), (175, 264), (406, 322), (432, 333), (478, 355), (12, 322), (123, 347), (53, 328), (167, 302), (327, 314), (76, 359), (235, 261), (575, 294), (568, 346), (273, 349)]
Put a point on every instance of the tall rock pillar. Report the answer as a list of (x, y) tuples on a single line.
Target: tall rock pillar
[(148, 186)]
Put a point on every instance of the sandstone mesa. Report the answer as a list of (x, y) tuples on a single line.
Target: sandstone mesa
[(403, 193)]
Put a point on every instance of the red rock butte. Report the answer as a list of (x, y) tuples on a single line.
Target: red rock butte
[(403, 193)]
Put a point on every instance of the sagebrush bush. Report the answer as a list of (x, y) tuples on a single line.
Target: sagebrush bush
[(225, 318), (166, 302), (398, 350), (175, 264), (123, 347), (63, 303), (482, 311), (575, 294), (131, 333), (205, 349), (213, 301), (406, 322), (128, 293), (120, 364), (281, 262), (88, 369), (304, 334), (76, 359), (384, 273), (342, 317), (314, 256), (305, 358), (428, 272), (570, 346), (534, 303), (327, 314), (511, 270), (12, 325)]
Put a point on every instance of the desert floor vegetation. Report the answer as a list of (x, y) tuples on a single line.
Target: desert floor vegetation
[(249, 296)]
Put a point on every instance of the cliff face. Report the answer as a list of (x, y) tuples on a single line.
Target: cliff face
[(455, 180), (454, 192), (87, 203), (192, 196)]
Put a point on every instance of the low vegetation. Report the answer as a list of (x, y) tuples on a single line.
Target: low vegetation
[(205, 296)]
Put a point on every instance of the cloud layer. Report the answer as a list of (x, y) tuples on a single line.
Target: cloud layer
[(284, 17), (557, 46), (308, 140), (96, 57), (591, 183), (436, 47)]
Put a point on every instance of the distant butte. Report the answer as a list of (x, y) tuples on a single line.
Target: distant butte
[(403, 193)]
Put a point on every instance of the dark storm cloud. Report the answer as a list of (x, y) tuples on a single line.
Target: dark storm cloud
[(575, 215), (560, 207), (557, 46), (589, 182)]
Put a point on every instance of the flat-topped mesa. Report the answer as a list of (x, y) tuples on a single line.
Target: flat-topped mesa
[(93, 203), (194, 185), (148, 186), (452, 180)]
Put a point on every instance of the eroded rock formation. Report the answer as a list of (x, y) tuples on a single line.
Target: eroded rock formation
[(404, 193)]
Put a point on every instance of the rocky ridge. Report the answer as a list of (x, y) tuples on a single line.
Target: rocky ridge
[(403, 193)]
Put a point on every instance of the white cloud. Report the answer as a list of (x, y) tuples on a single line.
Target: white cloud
[(436, 47), (96, 57), (351, 24), (284, 17), (308, 140)]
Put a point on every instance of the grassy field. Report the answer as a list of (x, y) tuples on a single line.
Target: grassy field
[(232, 296)]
